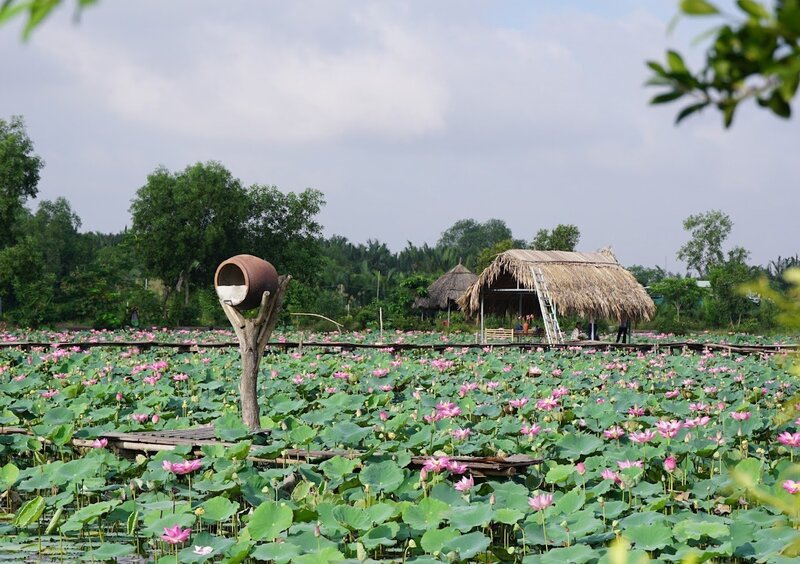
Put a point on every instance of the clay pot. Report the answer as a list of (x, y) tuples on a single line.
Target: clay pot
[(241, 281)]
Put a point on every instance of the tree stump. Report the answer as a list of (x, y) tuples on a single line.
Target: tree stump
[(253, 335)]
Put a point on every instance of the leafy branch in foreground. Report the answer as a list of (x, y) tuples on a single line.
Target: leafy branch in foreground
[(36, 10), (755, 53)]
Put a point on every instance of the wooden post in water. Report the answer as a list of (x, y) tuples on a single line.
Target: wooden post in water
[(253, 335), (245, 282)]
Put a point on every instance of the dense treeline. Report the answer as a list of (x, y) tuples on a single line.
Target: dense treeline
[(185, 222)]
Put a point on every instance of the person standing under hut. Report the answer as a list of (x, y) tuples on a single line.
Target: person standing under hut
[(622, 332)]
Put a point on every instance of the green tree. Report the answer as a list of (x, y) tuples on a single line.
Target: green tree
[(754, 54), (560, 238), (647, 276), (469, 237), (727, 278), (486, 256), (704, 250), (283, 228), (186, 223), (681, 293), (19, 175)]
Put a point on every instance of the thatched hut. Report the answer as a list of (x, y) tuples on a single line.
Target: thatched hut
[(591, 285), (444, 292)]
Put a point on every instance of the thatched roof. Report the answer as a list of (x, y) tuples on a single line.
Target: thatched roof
[(447, 288), (586, 284)]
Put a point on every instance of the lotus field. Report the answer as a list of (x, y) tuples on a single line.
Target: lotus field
[(672, 457)]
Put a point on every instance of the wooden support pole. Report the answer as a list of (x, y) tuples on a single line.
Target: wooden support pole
[(253, 335)]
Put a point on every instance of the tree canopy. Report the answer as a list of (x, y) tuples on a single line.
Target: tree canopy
[(560, 238), (704, 250), (19, 175), (754, 54)]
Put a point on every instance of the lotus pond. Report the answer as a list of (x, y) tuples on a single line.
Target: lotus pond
[(682, 457)]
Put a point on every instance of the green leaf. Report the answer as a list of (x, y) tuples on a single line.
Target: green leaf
[(689, 110), (239, 451), (577, 554), (749, 470), (649, 537), (29, 512), (574, 446), (269, 519), (354, 518), (218, 509), (675, 62), (338, 467), (434, 539), (230, 428), (279, 552), (698, 8), (302, 434), (93, 511), (467, 546), (110, 551), (382, 535), (559, 473), (346, 433), (570, 502), (695, 530), (666, 97), (8, 476), (755, 9), (382, 477), (507, 516), (425, 515), (470, 516)]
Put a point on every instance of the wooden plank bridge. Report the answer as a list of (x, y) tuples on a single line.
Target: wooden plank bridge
[(130, 444)]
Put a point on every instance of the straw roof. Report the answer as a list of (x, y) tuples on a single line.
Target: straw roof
[(586, 284), (447, 288)]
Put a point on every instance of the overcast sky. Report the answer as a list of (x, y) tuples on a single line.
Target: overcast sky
[(407, 115)]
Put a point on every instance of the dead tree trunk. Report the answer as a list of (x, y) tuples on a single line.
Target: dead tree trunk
[(253, 335)]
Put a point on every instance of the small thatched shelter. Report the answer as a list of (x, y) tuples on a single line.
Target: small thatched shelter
[(444, 292), (592, 285)]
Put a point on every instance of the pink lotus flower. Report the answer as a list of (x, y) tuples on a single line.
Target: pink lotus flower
[(547, 404), (609, 474), (530, 431), (461, 434), (181, 468), (636, 411), (670, 464), (740, 415), (791, 486), (119, 396), (49, 394), (140, 417), (580, 468), (176, 535), (623, 464), (456, 468), (100, 443), (180, 377), (540, 502), (383, 415), (789, 439), (437, 464), (492, 385), (614, 432), (672, 394), (641, 437), (697, 422), (466, 388), (465, 484), (518, 403), (668, 429)]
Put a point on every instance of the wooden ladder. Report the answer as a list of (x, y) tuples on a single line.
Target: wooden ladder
[(549, 316)]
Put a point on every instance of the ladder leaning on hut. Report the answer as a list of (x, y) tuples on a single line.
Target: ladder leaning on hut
[(549, 314)]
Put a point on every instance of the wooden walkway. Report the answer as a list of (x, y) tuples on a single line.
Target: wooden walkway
[(671, 346), (153, 441)]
